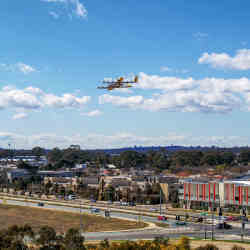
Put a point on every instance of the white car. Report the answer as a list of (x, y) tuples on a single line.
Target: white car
[(153, 209)]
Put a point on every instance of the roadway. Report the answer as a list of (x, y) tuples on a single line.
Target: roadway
[(173, 231)]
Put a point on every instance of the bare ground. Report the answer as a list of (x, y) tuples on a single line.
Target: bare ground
[(59, 220)]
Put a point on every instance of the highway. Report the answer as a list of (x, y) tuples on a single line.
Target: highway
[(173, 231)]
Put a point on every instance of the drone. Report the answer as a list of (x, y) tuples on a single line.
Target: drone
[(118, 83)]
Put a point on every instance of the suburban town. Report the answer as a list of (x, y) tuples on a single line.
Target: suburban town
[(124, 125), (163, 183)]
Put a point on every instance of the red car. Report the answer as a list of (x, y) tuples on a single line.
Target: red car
[(162, 217), (231, 218)]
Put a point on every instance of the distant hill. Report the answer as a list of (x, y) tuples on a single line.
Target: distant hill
[(141, 149), (173, 148)]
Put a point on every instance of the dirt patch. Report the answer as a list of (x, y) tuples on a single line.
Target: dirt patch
[(59, 220), (220, 244)]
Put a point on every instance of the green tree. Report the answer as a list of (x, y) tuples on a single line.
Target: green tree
[(74, 240), (47, 237)]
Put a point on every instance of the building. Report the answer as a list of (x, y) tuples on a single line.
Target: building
[(46, 173), (17, 174), (215, 193)]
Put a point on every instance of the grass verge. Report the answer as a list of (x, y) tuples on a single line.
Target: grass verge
[(59, 220)]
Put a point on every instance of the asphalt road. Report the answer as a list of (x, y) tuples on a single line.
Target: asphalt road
[(172, 231)]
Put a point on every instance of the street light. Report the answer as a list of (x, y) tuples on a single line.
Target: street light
[(213, 221), (81, 222), (160, 201)]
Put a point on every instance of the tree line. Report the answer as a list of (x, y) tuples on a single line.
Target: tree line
[(24, 238), (158, 160)]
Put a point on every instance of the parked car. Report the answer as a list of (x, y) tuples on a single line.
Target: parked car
[(40, 204), (162, 217), (92, 200), (110, 202), (223, 225)]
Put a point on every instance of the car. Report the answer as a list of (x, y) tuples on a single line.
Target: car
[(72, 197), (243, 218), (132, 204), (232, 218), (180, 223), (95, 210), (162, 217), (153, 209), (40, 204), (124, 203), (223, 225), (92, 200), (110, 202), (200, 220)]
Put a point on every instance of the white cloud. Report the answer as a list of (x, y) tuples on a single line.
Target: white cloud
[(54, 14), (241, 61), (18, 67), (24, 68), (73, 8), (19, 116), (187, 95), (200, 35), (117, 140), (165, 69), (92, 113), (132, 101), (64, 101), (32, 98)]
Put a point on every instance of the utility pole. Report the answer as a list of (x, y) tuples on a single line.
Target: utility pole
[(243, 223), (213, 221), (81, 222), (160, 200)]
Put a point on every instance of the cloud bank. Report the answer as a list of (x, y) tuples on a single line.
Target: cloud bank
[(32, 98), (241, 61), (118, 140), (208, 95), (18, 67), (72, 8)]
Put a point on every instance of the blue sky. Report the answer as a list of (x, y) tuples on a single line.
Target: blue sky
[(192, 58)]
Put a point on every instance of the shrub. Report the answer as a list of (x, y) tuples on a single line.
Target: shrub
[(207, 247)]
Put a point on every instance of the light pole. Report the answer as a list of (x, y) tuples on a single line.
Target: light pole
[(160, 200), (213, 221), (81, 222)]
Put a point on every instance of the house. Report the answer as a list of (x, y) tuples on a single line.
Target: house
[(17, 174)]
